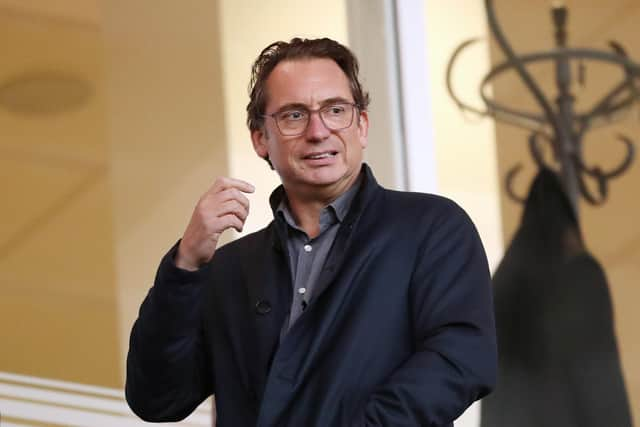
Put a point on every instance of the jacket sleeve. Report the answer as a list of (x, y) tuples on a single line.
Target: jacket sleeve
[(167, 369), (455, 357)]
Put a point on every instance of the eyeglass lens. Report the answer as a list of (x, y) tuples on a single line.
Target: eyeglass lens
[(295, 121)]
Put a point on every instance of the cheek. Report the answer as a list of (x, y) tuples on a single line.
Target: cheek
[(356, 142), (283, 152), (288, 148)]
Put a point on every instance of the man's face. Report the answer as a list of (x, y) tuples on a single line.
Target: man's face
[(320, 157)]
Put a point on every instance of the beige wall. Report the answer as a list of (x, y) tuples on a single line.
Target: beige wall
[(165, 132), (465, 145), (56, 241)]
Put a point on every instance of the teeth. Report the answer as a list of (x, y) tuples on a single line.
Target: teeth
[(321, 156)]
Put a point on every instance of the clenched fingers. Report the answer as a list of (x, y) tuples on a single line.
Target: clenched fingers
[(230, 221), (224, 183), (230, 194), (234, 207), (223, 206)]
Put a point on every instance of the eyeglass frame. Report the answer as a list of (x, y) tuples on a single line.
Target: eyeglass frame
[(354, 106)]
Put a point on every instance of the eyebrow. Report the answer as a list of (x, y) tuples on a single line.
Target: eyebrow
[(324, 103)]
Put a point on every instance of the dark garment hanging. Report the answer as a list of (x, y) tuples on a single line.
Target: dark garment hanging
[(558, 357)]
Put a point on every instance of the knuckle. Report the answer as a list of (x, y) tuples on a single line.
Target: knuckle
[(227, 219), (220, 184), (229, 193)]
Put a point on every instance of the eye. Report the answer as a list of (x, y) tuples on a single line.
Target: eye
[(335, 110), (292, 115)]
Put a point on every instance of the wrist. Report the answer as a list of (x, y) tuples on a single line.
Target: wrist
[(183, 261)]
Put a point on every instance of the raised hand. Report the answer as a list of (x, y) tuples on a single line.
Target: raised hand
[(223, 206)]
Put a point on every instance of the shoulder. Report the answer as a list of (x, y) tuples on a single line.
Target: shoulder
[(425, 207), (382, 201), (436, 225)]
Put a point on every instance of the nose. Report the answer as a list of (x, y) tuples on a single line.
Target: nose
[(316, 129)]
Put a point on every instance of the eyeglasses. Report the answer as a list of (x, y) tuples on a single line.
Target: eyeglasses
[(294, 121)]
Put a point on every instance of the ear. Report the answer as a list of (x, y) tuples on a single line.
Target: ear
[(363, 128), (259, 138)]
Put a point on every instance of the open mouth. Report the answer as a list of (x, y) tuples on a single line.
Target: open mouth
[(323, 155)]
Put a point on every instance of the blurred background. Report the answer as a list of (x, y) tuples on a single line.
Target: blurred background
[(115, 116)]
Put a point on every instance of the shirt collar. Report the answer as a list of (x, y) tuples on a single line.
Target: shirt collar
[(337, 209)]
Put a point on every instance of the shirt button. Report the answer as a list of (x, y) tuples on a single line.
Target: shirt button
[(307, 248), (302, 291)]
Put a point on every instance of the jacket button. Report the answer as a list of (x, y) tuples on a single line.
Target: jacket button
[(263, 307)]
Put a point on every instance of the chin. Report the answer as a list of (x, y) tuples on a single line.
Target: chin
[(323, 176), (327, 176)]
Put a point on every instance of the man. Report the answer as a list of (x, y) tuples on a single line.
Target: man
[(355, 306)]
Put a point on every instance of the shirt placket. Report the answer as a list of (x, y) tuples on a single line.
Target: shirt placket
[(306, 256)]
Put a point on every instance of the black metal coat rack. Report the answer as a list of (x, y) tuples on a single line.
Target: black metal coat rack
[(561, 126)]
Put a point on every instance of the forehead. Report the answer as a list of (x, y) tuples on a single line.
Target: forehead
[(306, 81)]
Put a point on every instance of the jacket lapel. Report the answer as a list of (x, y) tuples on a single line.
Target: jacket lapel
[(338, 253)]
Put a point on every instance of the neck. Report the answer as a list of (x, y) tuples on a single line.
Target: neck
[(307, 215), (307, 204)]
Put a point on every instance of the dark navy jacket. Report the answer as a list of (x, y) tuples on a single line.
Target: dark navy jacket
[(400, 331)]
